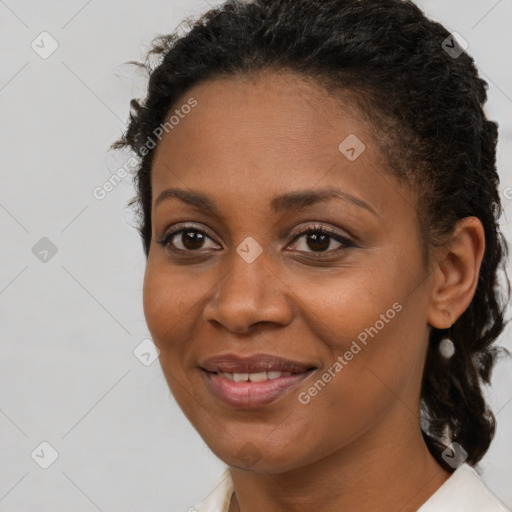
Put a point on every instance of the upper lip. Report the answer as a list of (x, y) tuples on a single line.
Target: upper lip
[(232, 363)]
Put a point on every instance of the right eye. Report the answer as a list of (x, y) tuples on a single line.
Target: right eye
[(191, 239)]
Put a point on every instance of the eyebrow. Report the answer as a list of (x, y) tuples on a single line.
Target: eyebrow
[(290, 201)]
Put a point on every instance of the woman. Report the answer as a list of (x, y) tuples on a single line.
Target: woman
[(319, 211)]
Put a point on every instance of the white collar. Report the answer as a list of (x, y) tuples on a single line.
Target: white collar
[(463, 491)]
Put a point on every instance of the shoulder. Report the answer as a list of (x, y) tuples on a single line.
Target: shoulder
[(464, 491), (219, 497)]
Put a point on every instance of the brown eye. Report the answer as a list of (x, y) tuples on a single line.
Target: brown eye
[(318, 239), (191, 239), (186, 239)]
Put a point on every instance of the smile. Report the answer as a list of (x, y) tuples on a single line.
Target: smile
[(252, 381), (252, 390)]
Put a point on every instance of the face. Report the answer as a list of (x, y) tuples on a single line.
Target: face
[(305, 259)]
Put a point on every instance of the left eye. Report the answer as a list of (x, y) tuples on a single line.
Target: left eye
[(319, 239)]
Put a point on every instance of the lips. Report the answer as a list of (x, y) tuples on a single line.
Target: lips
[(251, 382)]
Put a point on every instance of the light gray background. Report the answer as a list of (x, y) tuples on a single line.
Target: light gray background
[(68, 375)]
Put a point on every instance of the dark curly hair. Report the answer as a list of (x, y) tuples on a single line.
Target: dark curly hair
[(426, 107)]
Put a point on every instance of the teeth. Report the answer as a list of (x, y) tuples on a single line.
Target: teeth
[(253, 377), (257, 377)]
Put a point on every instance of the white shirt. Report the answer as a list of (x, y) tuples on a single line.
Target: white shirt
[(463, 491)]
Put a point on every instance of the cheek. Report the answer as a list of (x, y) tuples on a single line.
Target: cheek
[(344, 307), (165, 310), (173, 300), (169, 299), (168, 308), (368, 347)]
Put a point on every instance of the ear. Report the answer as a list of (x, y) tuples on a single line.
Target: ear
[(456, 276)]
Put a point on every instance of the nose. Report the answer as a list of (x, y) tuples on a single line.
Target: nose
[(249, 294)]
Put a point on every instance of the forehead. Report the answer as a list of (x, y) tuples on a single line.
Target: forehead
[(282, 113), (253, 135)]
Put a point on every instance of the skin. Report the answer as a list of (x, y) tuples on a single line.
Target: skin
[(357, 444)]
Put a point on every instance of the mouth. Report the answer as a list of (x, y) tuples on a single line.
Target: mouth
[(252, 382)]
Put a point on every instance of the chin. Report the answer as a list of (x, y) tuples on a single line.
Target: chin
[(256, 454)]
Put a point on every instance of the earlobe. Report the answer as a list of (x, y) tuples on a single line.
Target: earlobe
[(456, 277)]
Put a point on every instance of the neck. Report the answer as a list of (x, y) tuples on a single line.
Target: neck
[(381, 471)]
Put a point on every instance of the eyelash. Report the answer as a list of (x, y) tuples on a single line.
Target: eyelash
[(317, 229)]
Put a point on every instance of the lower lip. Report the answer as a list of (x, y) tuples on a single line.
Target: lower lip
[(248, 394)]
